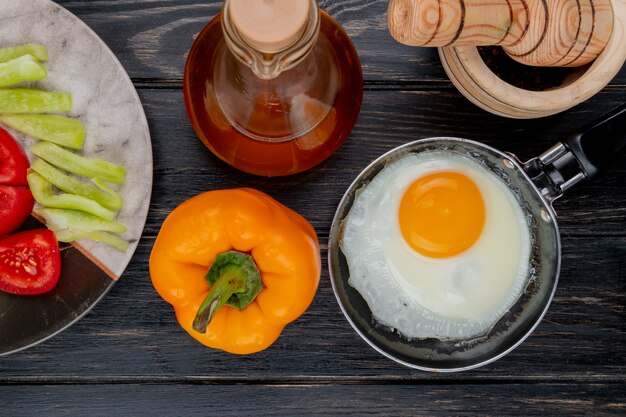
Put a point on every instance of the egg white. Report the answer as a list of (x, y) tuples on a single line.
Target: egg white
[(459, 297)]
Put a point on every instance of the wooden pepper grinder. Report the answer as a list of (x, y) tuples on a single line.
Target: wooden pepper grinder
[(563, 33)]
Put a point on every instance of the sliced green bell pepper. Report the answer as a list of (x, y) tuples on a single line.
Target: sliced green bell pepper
[(24, 68), (101, 195), (70, 225), (42, 192), (60, 130), (76, 164), (36, 50), (22, 100)]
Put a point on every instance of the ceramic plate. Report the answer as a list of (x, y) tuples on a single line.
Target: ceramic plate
[(116, 130)]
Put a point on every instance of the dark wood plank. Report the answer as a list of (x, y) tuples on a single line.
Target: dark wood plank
[(388, 119), (320, 400), (130, 357), (151, 38), (134, 333)]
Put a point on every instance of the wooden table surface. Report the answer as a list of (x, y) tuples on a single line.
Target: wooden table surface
[(130, 357)]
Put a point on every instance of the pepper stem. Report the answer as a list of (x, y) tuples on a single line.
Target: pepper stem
[(235, 280)]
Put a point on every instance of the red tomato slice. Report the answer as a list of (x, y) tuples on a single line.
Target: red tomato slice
[(30, 262), (13, 161), (16, 204)]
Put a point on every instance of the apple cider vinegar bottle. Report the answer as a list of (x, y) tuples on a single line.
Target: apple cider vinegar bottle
[(273, 87)]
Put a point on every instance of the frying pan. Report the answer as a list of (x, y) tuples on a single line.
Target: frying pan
[(535, 184)]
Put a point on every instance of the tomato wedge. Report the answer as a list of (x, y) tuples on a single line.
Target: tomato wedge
[(30, 262), (13, 161), (16, 200), (16, 204)]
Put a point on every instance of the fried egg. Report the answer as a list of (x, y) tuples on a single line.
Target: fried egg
[(438, 246)]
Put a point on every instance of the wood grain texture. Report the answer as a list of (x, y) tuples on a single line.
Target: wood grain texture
[(319, 400), (564, 33), (458, 23), (133, 333), (130, 357), (151, 38)]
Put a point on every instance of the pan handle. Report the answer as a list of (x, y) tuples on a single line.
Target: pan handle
[(599, 144), (579, 155)]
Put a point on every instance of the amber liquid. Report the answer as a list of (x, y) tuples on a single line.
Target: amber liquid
[(272, 156)]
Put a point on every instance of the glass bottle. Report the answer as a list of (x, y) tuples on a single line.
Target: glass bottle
[(274, 106)]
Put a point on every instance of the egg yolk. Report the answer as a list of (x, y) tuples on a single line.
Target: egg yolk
[(442, 214)]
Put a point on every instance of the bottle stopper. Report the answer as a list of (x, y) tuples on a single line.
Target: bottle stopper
[(270, 26)]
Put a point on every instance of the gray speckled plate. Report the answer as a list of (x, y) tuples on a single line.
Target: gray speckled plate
[(116, 130)]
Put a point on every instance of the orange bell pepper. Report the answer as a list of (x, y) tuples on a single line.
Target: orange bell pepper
[(263, 263)]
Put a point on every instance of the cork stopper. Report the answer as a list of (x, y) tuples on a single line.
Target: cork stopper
[(270, 26)]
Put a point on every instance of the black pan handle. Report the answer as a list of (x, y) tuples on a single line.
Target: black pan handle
[(599, 144), (579, 155)]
